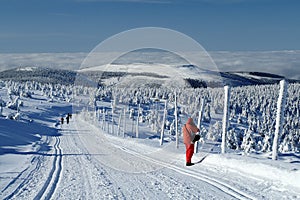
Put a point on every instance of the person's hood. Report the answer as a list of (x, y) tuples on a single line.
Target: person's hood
[(190, 121)]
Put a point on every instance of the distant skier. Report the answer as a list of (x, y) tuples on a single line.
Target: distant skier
[(68, 119), (70, 115), (190, 136), (61, 122)]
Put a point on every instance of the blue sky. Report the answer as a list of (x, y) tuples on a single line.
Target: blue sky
[(28, 26)]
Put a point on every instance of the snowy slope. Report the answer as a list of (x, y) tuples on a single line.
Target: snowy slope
[(81, 161), (90, 164)]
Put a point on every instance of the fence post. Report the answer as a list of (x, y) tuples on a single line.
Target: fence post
[(199, 122), (176, 122), (124, 122), (279, 117), (106, 121), (137, 122), (119, 124), (112, 123), (163, 124), (225, 118), (103, 119)]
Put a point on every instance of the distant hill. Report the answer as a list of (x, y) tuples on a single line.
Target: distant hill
[(43, 75), (136, 78), (252, 78)]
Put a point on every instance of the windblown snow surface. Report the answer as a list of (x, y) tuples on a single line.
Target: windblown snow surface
[(40, 159)]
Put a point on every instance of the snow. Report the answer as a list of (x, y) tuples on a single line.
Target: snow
[(40, 159), (26, 68), (281, 173), (171, 71)]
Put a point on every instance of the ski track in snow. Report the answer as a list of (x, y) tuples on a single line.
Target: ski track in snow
[(85, 163), (229, 189), (92, 176), (77, 173), (52, 180), (107, 182), (26, 176), (34, 175)]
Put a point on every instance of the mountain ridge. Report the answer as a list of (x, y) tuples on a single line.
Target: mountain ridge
[(69, 77)]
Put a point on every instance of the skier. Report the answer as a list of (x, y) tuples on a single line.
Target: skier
[(68, 119), (61, 122), (190, 136)]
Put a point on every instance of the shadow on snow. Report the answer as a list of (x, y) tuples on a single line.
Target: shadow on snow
[(16, 134)]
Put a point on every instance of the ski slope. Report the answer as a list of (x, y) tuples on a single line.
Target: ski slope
[(85, 163)]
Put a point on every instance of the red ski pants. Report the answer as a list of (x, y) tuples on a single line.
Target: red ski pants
[(189, 152)]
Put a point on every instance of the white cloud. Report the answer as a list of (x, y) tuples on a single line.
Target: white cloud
[(51, 60), (286, 63)]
